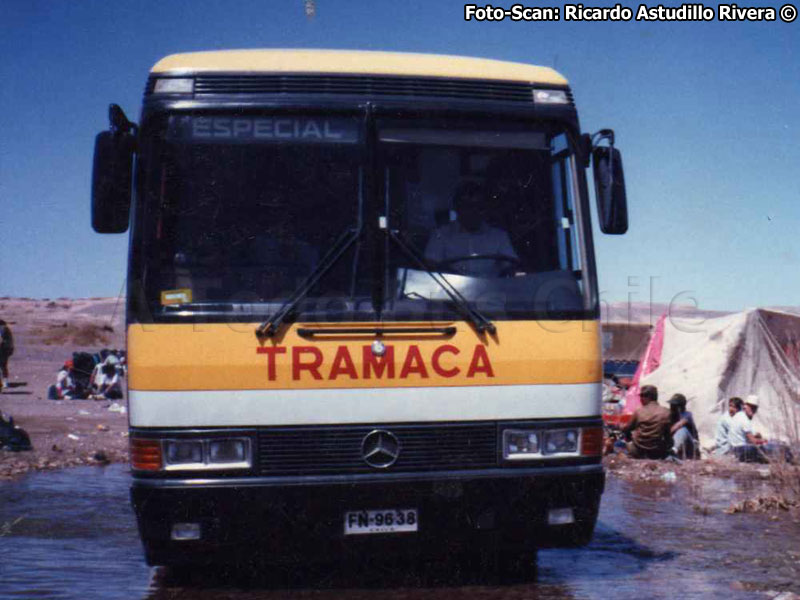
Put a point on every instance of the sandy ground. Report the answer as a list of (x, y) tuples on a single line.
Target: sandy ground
[(78, 432), (46, 332)]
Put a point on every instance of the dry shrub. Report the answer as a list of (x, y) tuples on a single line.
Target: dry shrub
[(762, 504), (76, 334), (785, 477)]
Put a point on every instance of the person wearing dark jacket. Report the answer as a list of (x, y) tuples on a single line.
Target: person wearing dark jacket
[(649, 428), (685, 440), (6, 350)]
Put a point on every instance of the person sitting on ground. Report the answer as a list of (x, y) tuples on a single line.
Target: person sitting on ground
[(106, 356), (109, 383), (745, 442), (64, 387), (750, 446), (649, 427), (685, 440), (471, 236), (722, 437)]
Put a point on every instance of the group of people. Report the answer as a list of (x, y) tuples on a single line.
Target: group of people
[(736, 436), (658, 433), (99, 380)]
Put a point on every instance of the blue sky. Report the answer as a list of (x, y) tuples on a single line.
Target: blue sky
[(706, 115)]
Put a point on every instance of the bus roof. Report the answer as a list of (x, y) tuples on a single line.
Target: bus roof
[(355, 62)]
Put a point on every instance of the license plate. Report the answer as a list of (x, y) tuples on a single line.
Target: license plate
[(390, 520)]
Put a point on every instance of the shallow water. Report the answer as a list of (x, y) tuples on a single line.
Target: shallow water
[(72, 534)]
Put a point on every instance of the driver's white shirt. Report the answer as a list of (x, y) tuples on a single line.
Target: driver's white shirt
[(453, 241)]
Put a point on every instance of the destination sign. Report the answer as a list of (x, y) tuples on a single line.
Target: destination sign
[(264, 129)]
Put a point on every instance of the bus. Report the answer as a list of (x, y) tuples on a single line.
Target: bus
[(362, 308)]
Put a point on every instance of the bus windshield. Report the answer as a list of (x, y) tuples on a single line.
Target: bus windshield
[(237, 212)]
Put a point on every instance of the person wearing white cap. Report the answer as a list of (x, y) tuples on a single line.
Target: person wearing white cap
[(744, 440), (749, 446)]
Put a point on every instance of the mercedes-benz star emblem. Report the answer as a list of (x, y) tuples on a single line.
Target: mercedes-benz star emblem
[(380, 449), (378, 348)]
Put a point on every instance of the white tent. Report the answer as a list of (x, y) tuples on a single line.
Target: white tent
[(711, 360)]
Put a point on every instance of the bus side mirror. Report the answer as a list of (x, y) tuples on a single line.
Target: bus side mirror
[(609, 188), (112, 175)]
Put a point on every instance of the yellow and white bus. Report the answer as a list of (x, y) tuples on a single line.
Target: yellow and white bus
[(362, 304)]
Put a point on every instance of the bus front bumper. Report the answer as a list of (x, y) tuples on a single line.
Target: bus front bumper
[(285, 519)]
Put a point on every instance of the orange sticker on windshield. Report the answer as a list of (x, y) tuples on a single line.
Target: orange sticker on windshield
[(182, 296)]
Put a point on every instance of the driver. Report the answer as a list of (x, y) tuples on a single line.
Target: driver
[(470, 236)]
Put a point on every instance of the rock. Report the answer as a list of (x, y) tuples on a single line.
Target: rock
[(101, 457), (738, 585), (786, 596)]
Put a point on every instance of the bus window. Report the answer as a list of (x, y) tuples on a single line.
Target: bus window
[(247, 219), (492, 210)]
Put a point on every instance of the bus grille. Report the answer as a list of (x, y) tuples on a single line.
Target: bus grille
[(362, 86), (332, 450)]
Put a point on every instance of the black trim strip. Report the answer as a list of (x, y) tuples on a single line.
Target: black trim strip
[(423, 107), (546, 423), (307, 332), (360, 85), (313, 480)]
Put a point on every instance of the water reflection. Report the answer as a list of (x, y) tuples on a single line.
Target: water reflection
[(380, 579), (71, 534)]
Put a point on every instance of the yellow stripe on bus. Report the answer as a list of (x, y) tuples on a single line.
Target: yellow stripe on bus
[(229, 357), (355, 62)]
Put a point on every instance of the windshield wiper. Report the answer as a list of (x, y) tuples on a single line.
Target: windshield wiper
[(270, 327), (481, 323)]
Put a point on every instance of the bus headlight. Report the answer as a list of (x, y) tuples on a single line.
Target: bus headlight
[(184, 452), (227, 451), (550, 96), (560, 441), (532, 444), (173, 85), (520, 444), (207, 454)]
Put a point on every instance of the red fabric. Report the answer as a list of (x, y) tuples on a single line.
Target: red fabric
[(649, 362), (618, 421)]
